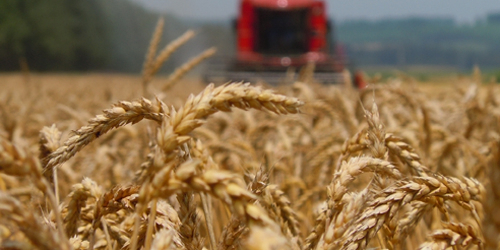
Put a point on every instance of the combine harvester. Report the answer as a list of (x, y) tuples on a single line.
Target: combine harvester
[(277, 37)]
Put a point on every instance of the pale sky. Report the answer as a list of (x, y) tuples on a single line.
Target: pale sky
[(464, 11)]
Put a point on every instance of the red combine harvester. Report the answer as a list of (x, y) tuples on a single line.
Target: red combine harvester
[(274, 36)]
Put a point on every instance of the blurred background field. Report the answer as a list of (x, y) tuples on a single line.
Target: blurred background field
[(112, 36)]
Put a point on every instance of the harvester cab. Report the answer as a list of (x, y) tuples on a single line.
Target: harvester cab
[(277, 36)]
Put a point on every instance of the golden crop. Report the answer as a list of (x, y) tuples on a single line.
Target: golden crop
[(238, 166)]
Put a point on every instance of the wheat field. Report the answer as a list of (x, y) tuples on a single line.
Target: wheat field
[(121, 162)]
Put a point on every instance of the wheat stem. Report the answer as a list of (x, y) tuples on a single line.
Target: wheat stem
[(151, 222), (208, 220)]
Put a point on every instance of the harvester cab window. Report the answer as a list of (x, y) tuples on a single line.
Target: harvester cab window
[(281, 32)]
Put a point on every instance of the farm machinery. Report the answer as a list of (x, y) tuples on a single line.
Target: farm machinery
[(274, 38)]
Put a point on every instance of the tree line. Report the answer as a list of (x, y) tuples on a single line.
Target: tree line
[(52, 34), (423, 41), (77, 35)]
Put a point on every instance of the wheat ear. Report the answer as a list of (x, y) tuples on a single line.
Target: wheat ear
[(453, 235), (170, 48), (175, 128), (14, 161), (38, 233), (190, 221), (173, 133), (164, 240), (77, 200), (406, 153), (384, 207), (276, 201), (121, 114), (182, 70), (148, 68), (49, 141), (338, 188)]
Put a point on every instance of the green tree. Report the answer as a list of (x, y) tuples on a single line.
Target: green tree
[(52, 34)]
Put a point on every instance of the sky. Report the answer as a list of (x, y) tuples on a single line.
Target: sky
[(463, 11)]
